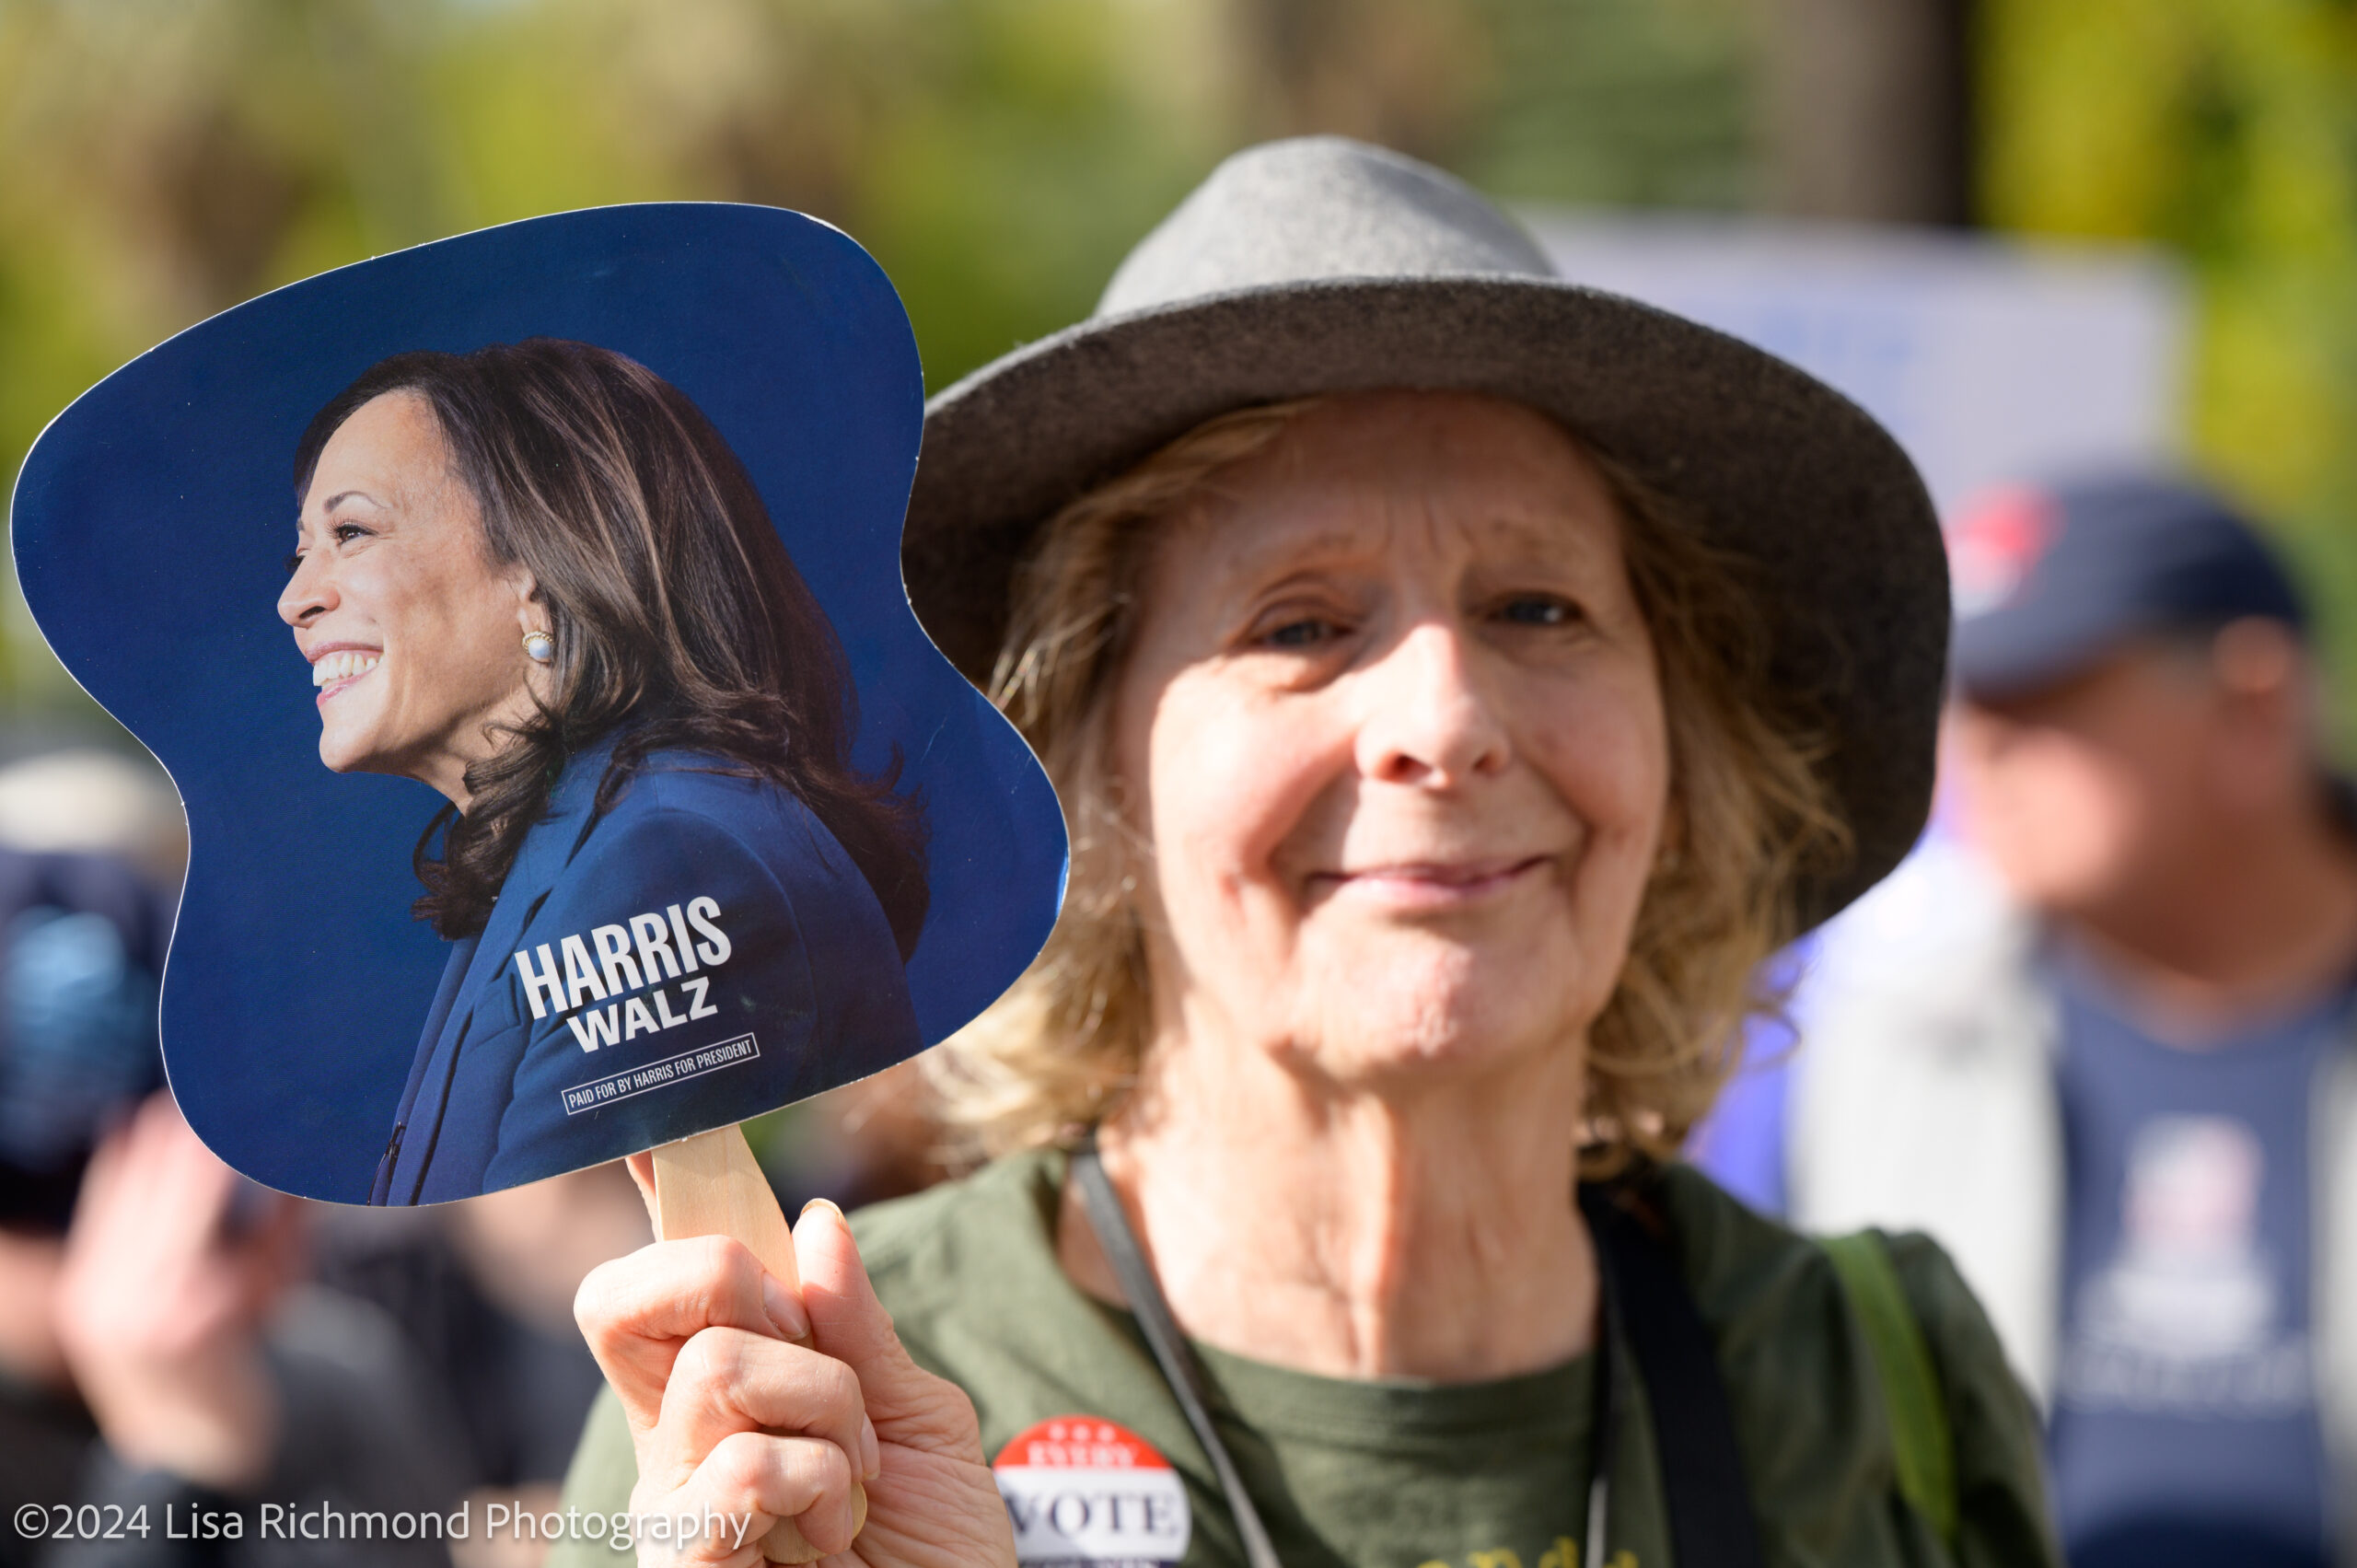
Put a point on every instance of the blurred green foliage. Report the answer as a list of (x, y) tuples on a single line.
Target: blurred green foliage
[(2227, 130), (1605, 103), (163, 159)]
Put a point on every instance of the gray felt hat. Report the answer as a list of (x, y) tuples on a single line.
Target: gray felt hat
[(1322, 265)]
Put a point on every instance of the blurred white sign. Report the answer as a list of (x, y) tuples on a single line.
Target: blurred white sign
[(1989, 360)]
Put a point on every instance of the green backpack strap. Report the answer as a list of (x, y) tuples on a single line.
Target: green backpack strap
[(1911, 1387)]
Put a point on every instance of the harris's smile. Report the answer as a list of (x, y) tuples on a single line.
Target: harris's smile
[(338, 664)]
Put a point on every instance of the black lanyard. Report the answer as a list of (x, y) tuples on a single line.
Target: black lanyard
[(1119, 1245)]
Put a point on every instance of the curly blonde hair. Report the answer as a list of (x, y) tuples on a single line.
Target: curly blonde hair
[(1749, 814)]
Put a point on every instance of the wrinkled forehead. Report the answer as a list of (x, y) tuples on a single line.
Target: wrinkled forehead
[(1437, 475)]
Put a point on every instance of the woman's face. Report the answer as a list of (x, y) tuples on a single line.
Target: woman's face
[(414, 635), (1393, 729)]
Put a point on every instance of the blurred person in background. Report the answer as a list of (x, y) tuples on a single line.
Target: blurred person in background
[(215, 1378), (157, 1346), (2120, 1086), (83, 942)]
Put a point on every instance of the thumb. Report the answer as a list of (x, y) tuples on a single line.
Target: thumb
[(908, 1405)]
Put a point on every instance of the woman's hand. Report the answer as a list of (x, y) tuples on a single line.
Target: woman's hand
[(728, 1415)]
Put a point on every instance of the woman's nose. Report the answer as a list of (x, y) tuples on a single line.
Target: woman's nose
[(310, 592), (1427, 720)]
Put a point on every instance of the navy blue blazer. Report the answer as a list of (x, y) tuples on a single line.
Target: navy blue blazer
[(704, 952)]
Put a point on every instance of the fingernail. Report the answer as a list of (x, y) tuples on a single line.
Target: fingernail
[(826, 1203), (871, 1452), (784, 1310)]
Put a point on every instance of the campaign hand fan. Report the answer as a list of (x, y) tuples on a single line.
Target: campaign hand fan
[(520, 618)]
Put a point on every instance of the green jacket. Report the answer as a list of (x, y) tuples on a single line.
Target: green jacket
[(1400, 1474)]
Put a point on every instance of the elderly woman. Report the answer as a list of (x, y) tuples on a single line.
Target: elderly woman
[(536, 578), (1457, 683)]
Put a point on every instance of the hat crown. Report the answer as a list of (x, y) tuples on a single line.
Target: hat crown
[(1320, 207)]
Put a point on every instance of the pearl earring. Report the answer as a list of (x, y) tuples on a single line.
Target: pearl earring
[(539, 647)]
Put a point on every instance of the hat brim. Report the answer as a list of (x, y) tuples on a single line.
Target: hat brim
[(1771, 463)]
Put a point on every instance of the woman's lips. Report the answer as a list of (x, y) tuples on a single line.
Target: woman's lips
[(1432, 885), (332, 671)]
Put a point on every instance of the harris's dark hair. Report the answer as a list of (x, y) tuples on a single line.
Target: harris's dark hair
[(679, 620)]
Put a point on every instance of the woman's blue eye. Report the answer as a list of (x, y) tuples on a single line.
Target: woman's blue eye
[(1299, 634), (1536, 611)]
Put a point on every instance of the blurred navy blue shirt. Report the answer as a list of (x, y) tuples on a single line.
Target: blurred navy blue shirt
[(2185, 1427)]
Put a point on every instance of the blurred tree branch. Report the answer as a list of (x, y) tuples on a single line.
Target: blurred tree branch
[(1866, 108)]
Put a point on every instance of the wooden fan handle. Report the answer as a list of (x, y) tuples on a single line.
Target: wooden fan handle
[(711, 1185)]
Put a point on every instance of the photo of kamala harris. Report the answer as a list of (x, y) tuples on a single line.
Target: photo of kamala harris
[(536, 578)]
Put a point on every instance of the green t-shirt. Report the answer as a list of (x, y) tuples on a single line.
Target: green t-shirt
[(1397, 1472), (1400, 1473)]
